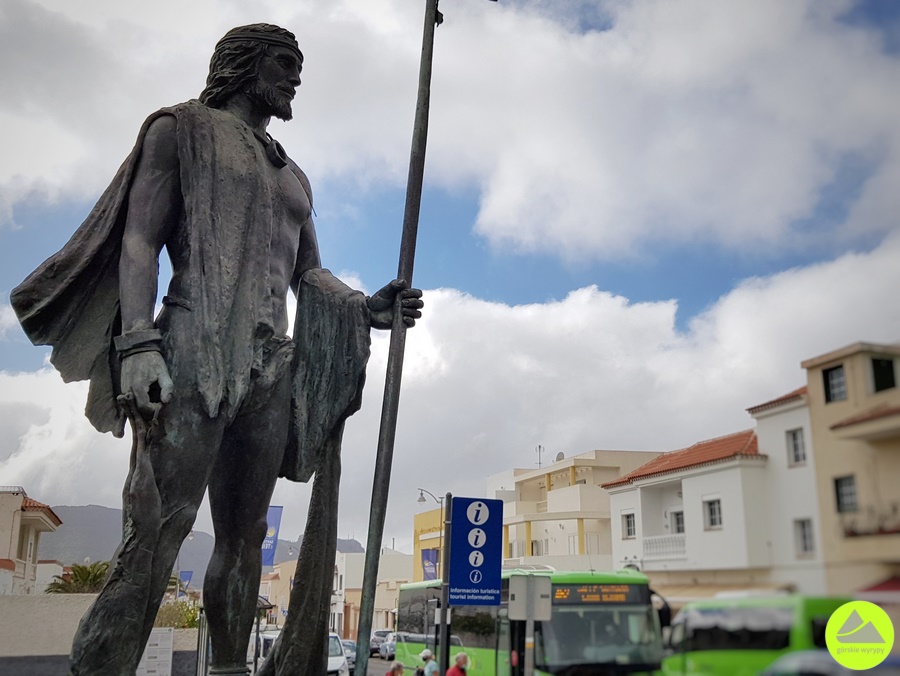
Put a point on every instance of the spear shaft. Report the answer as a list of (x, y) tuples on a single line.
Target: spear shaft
[(390, 404)]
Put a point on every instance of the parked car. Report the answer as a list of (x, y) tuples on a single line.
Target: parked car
[(350, 653), (376, 640), (337, 661), (388, 648)]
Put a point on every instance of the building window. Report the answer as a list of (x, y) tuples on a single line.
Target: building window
[(883, 374), (845, 493), (796, 448), (835, 384), (592, 543), (803, 537), (712, 513), (629, 530), (540, 547), (573, 544), (677, 522)]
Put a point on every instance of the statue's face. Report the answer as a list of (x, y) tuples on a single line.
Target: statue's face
[(277, 82)]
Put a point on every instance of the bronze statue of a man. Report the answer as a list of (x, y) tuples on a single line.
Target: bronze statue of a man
[(220, 396)]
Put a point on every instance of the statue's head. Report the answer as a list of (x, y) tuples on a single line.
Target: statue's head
[(235, 67)]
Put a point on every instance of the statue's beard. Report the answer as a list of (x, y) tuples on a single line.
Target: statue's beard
[(271, 100)]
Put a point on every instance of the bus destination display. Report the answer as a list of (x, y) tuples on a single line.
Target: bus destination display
[(582, 594)]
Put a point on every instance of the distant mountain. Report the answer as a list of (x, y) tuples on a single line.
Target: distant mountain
[(93, 532)]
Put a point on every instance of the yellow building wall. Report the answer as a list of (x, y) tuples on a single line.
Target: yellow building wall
[(854, 562), (426, 523)]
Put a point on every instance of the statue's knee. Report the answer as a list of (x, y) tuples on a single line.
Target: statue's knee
[(183, 521), (257, 533), (248, 537)]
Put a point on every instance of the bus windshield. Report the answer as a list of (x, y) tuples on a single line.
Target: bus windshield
[(626, 636)]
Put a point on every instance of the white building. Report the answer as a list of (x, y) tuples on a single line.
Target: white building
[(22, 520), (792, 500), (395, 568), (685, 510), (738, 511), (559, 515)]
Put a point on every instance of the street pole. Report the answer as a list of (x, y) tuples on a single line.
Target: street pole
[(444, 631), (383, 460)]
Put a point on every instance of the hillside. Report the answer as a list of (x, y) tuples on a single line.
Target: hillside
[(93, 532)]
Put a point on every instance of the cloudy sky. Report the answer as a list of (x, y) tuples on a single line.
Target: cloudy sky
[(639, 216)]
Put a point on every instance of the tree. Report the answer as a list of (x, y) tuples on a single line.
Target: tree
[(86, 579)]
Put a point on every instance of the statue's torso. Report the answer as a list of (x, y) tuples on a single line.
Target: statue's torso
[(290, 211)]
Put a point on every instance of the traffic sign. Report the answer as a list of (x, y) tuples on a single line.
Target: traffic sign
[(476, 552)]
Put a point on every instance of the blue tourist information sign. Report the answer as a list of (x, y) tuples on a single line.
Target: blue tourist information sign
[(476, 552)]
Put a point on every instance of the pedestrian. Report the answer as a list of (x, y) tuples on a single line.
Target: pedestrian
[(396, 669), (431, 665), (459, 666)]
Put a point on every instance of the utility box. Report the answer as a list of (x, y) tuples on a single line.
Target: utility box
[(530, 597)]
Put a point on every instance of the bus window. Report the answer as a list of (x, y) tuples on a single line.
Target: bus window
[(818, 631), (759, 628)]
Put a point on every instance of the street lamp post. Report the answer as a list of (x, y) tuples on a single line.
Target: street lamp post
[(444, 623), (178, 568)]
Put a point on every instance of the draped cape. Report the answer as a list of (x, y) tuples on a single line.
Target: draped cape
[(71, 302)]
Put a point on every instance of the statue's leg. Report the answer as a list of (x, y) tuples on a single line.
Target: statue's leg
[(112, 635), (239, 491), (183, 455)]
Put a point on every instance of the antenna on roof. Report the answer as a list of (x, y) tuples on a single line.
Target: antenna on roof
[(539, 450)]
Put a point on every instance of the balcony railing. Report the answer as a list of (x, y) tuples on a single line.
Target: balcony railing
[(881, 519), (665, 547)]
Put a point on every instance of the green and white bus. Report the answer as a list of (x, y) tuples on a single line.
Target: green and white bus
[(602, 623), (742, 636)]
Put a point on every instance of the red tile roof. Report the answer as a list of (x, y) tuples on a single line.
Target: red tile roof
[(774, 403), (889, 584), (738, 445), (7, 564), (29, 505), (867, 416)]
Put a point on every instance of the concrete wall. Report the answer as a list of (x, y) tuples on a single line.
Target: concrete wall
[(725, 547), (625, 501), (790, 494), (40, 624)]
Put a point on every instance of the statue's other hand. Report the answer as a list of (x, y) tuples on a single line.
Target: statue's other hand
[(381, 305), (146, 376)]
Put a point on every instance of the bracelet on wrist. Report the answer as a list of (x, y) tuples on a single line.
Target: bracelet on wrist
[(149, 347), (128, 342)]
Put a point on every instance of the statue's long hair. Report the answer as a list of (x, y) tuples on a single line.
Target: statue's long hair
[(235, 64)]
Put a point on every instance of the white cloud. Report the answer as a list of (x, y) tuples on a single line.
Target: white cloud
[(8, 321), (725, 122), (484, 383)]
